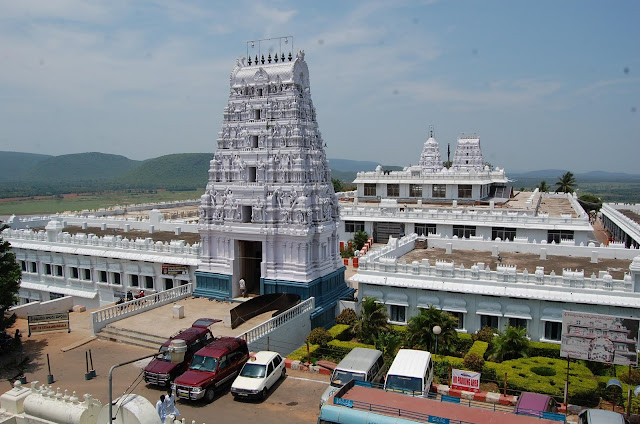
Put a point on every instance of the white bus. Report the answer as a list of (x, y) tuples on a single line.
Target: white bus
[(411, 372)]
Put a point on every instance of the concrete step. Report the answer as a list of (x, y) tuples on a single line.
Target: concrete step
[(131, 337), (113, 329)]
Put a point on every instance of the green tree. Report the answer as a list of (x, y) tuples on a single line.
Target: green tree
[(512, 343), (10, 275), (420, 330), (387, 342), (337, 185), (373, 320), (566, 183), (590, 202), (359, 239), (543, 186)]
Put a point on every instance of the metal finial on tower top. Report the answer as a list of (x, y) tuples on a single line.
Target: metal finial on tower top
[(430, 131), (270, 45)]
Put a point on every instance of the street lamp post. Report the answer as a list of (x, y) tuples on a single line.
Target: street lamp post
[(436, 330), (177, 349)]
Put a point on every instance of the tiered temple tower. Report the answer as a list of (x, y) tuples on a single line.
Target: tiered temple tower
[(430, 161), (269, 214), (468, 155)]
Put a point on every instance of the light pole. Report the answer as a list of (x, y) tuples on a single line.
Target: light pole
[(436, 330), (177, 349)]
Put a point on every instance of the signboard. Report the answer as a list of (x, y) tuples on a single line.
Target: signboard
[(168, 269), (438, 420), (465, 380), (48, 322), (343, 402), (600, 338)]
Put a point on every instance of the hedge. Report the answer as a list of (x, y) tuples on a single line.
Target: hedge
[(300, 354), (583, 387), (340, 331), (479, 348), (548, 350)]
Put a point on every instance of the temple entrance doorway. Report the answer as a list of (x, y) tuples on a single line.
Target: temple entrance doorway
[(250, 259)]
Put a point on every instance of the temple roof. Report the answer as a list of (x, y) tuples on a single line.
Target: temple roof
[(295, 71)]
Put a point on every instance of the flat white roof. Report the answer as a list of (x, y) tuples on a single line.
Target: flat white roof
[(410, 363)]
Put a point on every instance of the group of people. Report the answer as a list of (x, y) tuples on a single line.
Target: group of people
[(167, 406)]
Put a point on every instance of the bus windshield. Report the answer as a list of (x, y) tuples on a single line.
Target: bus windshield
[(340, 378), (404, 384)]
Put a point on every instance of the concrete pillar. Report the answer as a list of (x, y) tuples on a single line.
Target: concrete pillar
[(543, 254), (152, 228), (455, 204), (594, 256), (178, 231), (85, 225), (127, 228), (449, 248), (494, 251), (492, 204), (103, 226)]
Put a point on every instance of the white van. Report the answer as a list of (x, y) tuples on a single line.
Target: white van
[(411, 372), (361, 364)]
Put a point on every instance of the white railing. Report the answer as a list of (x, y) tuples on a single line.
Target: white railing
[(103, 317), (267, 327)]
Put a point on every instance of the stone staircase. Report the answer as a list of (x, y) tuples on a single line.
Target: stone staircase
[(132, 337)]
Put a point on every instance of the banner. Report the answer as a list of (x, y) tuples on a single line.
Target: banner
[(600, 338), (168, 269), (465, 380)]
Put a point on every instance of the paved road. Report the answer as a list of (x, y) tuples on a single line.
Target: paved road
[(295, 400)]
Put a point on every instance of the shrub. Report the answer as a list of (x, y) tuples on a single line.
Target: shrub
[(319, 336), (548, 350), (635, 377), (462, 344), (544, 371), (300, 354), (473, 362), (347, 316), (485, 334), (341, 332), (349, 345), (479, 348)]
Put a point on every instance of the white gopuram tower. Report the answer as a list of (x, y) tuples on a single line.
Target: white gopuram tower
[(468, 155), (269, 214), (430, 161)]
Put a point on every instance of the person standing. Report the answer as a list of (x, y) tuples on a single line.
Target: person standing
[(243, 287), (160, 408), (170, 404)]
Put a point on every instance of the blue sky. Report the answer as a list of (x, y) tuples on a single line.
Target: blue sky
[(545, 84)]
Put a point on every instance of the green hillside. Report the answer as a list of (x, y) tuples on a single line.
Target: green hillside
[(172, 172), (79, 167), (14, 164)]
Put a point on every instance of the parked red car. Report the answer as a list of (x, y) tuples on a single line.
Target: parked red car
[(161, 371), (212, 367)]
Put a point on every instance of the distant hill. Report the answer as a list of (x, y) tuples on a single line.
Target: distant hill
[(79, 167), (352, 165), (14, 164), (180, 171)]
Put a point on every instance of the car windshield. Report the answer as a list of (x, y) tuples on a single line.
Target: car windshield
[(340, 378), (254, 370), (203, 363), (164, 354), (404, 384)]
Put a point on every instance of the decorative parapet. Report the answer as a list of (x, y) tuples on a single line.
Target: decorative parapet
[(445, 174), (628, 225), (111, 242)]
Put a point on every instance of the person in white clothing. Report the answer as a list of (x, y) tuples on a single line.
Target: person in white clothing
[(243, 287), (160, 408), (170, 404)]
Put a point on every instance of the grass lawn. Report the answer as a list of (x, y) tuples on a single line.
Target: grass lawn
[(91, 201)]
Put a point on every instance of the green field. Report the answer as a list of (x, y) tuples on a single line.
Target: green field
[(91, 201)]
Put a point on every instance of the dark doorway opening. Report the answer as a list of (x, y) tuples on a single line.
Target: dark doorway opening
[(250, 255)]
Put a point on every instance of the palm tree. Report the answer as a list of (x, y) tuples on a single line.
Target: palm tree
[(387, 342), (543, 186), (566, 183), (373, 319), (420, 329), (512, 343)]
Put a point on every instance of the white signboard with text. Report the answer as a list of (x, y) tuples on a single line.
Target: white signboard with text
[(465, 380), (601, 338)]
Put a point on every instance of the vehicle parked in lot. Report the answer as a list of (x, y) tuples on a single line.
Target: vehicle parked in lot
[(411, 372), (258, 375), (360, 364), (535, 404), (597, 416), (212, 367), (161, 371)]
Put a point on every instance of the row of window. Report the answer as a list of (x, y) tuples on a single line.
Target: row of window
[(85, 274), (466, 231), (438, 191), (552, 330)]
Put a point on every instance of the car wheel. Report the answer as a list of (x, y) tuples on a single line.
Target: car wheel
[(264, 393), (209, 395), (284, 372)]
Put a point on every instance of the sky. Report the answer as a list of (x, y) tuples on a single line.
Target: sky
[(545, 84)]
